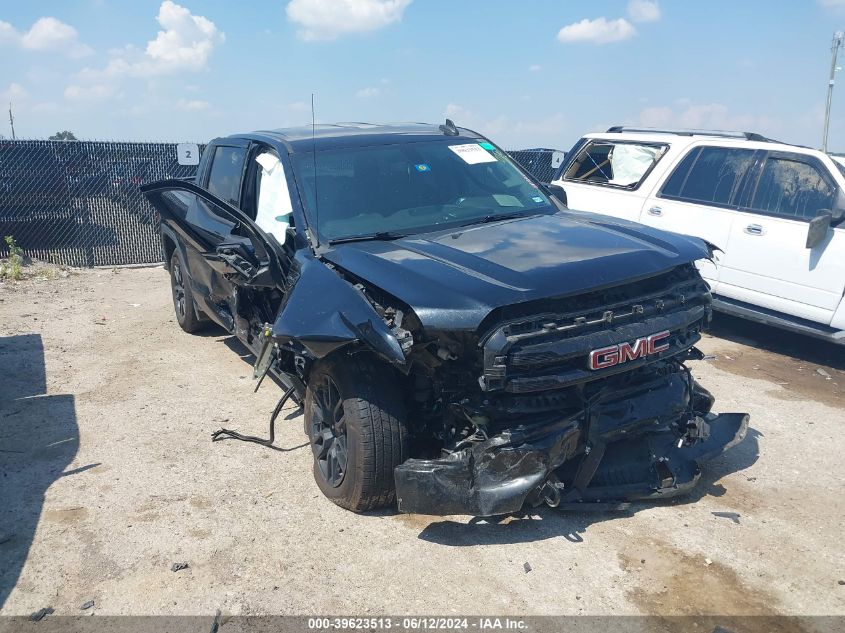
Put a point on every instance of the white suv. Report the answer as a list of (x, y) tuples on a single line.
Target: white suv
[(775, 210)]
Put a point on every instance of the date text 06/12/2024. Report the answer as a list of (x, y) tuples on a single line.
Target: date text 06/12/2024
[(417, 623)]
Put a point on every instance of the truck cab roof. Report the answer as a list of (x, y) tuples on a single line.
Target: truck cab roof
[(341, 135)]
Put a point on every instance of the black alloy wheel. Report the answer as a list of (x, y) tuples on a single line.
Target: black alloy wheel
[(355, 421), (178, 286), (328, 432), (183, 299)]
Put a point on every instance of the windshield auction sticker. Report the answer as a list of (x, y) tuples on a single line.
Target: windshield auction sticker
[(473, 153)]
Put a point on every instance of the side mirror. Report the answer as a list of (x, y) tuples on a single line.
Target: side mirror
[(819, 227), (557, 191)]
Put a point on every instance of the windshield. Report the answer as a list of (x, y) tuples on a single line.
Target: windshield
[(412, 187), (840, 163)]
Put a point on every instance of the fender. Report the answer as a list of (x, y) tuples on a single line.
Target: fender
[(177, 239), (310, 315)]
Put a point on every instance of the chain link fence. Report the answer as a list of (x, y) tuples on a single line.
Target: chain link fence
[(540, 163), (77, 203)]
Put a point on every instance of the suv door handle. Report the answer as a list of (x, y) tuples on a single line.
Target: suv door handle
[(655, 211), (754, 229)]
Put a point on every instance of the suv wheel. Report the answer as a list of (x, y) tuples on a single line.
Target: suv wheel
[(356, 423), (183, 300)]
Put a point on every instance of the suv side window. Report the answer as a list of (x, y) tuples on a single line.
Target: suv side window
[(622, 164), (708, 175), (793, 188), (224, 181)]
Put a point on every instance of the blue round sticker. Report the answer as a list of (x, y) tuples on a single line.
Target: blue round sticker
[(423, 167)]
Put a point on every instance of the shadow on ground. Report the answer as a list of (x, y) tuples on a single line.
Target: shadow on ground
[(39, 437), (543, 523), (777, 341)]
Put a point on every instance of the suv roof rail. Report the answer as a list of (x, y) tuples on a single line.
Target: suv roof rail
[(749, 136)]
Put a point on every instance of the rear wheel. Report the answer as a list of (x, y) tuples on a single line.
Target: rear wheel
[(356, 423), (183, 299)]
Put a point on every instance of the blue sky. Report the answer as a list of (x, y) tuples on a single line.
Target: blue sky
[(527, 73)]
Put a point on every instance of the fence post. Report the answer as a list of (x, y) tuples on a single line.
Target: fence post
[(86, 231)]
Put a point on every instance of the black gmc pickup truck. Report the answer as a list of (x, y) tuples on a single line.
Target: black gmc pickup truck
[(460, 342)]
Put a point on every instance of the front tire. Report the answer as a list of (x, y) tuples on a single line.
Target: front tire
[(183, 299), (356, 423)]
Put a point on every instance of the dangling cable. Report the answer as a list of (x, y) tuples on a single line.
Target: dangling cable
[(223, 434)]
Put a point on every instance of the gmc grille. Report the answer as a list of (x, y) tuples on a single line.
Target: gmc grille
[(550, 350)]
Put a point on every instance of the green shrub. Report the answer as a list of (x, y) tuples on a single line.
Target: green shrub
[(12, 268)]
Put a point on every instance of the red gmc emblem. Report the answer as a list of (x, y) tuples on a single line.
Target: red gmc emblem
[(622, 353)]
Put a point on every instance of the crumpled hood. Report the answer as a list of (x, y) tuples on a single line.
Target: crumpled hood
[(453, 279)]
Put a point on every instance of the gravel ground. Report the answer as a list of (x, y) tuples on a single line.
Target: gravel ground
[(109, 477)]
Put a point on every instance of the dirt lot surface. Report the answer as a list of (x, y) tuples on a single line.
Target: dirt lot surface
[(109, 477)]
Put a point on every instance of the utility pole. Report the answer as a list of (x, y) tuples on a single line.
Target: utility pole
[(11, 120), (838, 38)]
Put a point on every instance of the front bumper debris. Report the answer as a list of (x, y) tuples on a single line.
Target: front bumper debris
[(499, 475), (492, 477)]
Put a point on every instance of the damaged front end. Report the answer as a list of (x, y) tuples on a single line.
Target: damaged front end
[(593, 404), (571, 400), (641, 438)]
